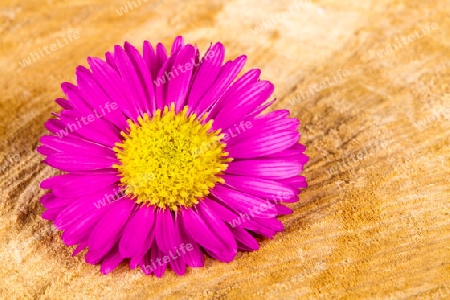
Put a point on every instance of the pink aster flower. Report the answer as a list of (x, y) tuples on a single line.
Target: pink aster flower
[(167, 157)]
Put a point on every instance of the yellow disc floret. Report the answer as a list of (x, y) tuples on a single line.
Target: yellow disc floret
[(170, 160)]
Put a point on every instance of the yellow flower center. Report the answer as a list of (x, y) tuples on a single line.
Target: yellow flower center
[(170, 160)]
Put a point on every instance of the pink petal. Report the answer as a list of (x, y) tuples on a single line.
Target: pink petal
[(47, 198), (52, 213), (296, 182), (56, 126), (264, 144), (271, 223), (261, 108), (46, 151), (71, 162), (111, 260), (65, 104), (161, 57), (59, 202), (143, 73), (100, 102), (168, 239), (235, 89), (283, 210), (113, 85), (177, 264), (167, 235), (236, 219), (78, 232), (295, 150), (76, 146), (245, 238), (160, 81), (227, 74), (150, 60), (136, 236), (130, 77), (267, 168), (153, 262), (262, 188), (107, 232), (178, 86), (243, 103), (76, 100), (229, 246), (109, 57), (206, 74), (84, 206), (193, 258), (137, 259), (199, 231), (104, 132), (261, 126), (245, 203), (178, 43), (79, 248), (80, 185)]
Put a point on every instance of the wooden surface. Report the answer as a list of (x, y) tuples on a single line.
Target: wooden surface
[(374, 221)]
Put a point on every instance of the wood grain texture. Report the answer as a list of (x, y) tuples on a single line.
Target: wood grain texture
[(374, 221)]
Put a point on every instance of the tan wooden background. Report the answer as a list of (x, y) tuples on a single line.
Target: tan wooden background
[(374, 222)]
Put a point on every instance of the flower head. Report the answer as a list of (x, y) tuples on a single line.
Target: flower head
[(167, 157)]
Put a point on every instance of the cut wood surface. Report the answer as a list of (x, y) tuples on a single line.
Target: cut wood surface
[(369, 81)]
